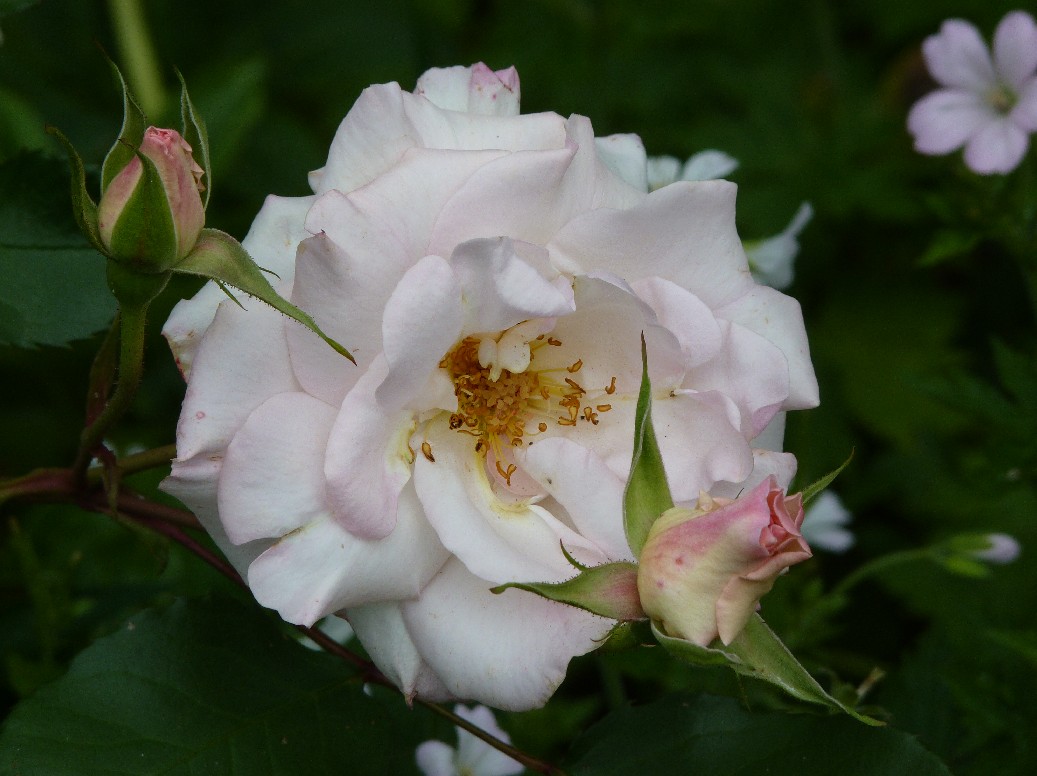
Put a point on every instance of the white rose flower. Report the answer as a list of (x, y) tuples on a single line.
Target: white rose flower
[(492, 273)]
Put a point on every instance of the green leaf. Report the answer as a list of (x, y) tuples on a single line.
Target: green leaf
[(647, 493), (609, 590), (758, 653), (949, 244), (220, 257), (52, 283), (130, 135), (84, 210), (206, 688), (196, 136), (716, 736), (816, 487)]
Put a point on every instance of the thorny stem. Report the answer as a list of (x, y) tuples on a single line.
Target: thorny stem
[(131, 366)]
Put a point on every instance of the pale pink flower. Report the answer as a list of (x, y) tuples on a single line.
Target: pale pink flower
[(989, 107)]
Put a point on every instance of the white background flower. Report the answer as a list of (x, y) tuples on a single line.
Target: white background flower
[(492, 273), (473, 756), (987, 106)]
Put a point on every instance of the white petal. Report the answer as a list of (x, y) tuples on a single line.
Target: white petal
[(766, 463), (434, 758), (476, 89), (708, 165), (241, 363), (945, 119), (509, 651), (497, 537), (662, 171), (685, 315), (1015, 48), (422, 320), (368, 459), (321, 567), (824, 521), (273, 477), (590, 492), (771, 259), (997, 148), (684, 232), (1024, 114), (958, 57), (778, 318), (625, 156), (479, 757)]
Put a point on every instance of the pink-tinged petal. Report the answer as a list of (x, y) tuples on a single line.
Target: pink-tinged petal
[(509, 651), (766, 463), (380, 628), (684, 232), (422, 320), (996, 148), (499, 289), (750, 370), (365, 242), (499, 538), (273, 478), (368, 459), (1015, 48), (241, 363), (958, 57), (944, 120), (194, 481), (625, 156), (1024, 114), (271, 241), (685, 315), (476, 89), (321, 567), (521, 195), (778, 318), (590, 493)]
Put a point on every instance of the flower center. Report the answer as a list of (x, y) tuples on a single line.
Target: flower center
[(1001, 98), (494, 403)]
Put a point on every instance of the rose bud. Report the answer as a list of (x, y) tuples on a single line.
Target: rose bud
[(153, 222), (703, 571)]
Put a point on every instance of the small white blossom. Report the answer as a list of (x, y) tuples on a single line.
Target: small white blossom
[(823, 524), (704, 166), (1003, 549), (472, 757), (771, 259)]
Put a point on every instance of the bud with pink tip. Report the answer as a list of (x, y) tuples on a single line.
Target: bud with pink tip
[(703, 571)]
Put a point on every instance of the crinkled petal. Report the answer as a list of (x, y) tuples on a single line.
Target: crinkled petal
[(368, 459), (475, 89), (509, 651), (1024, 114), (194, 481), (766, 463), (496, 536), (943, 121), (380, 628), (241, 363), (625, 156), (422, 319), (499, 289), (686, 316), (321, 567), (273, 478), (1015, 48), (779, 319), (271, 242), (958, 57), (590, 492), (996, 148), (684, 232)]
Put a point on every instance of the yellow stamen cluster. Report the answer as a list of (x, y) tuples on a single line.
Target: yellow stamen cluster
[(496, 411)]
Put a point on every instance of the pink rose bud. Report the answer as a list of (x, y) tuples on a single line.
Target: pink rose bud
[(153, 224), (703, 571)]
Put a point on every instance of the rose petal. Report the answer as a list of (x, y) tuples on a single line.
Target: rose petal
[(321, 567), (1015, 48), (476, 89), (944, 120), (467, 635), (958, 57), (273, 479), (996, 148), (688, 318)]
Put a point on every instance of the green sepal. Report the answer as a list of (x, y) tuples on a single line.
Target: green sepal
[(221, 258), (628, 634), (144, 236), (134, 290), (815, 488), (758, 653), (609, 590), (134, 123), (84, 209), (196, 136), (647, 494)]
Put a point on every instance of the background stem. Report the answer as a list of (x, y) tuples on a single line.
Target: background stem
[(138, 54)]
